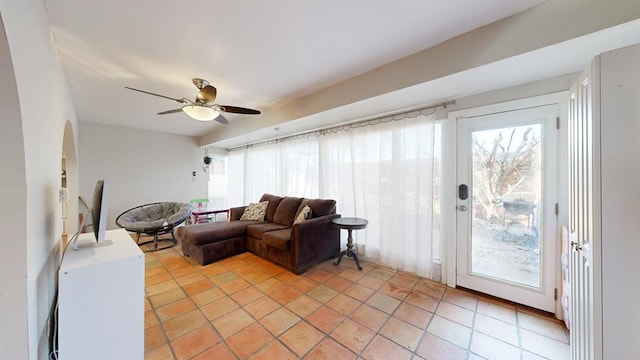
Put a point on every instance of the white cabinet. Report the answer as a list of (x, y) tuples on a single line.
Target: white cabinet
[(604, 147), (101, 299)]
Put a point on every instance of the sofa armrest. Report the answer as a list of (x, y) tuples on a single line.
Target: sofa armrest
[(235, 213), (314, 240)]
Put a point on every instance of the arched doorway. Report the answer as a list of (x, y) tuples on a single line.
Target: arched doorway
[(13, 212), (69, 183)]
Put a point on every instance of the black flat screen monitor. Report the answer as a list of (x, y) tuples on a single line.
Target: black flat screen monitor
[(99, 210)]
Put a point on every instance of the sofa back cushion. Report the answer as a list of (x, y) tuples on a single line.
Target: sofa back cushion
[(287, 210), (319, 207), (274, 201)]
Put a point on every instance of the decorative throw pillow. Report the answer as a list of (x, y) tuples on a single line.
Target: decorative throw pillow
[(255, 212), (303, 215)]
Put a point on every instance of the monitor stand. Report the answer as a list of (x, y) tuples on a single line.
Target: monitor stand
[(91, 244)]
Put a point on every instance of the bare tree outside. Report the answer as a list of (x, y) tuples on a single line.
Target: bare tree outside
[(502, 165), (506, 188)]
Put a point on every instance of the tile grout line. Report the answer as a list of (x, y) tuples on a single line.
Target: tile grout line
[(473, 323), (517, 313)]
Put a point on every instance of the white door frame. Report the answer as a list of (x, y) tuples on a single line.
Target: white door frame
[(449, 176)]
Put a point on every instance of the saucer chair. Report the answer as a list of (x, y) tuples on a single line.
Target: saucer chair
[(154, 219)]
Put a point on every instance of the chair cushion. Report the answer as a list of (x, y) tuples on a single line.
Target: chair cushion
[(256, 230), (154, 216), (287, 210), (279, 239), (180, 213), (319, 207)]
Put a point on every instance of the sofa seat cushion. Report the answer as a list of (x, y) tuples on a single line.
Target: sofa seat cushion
[(215, 231), (257, 230), (279, 239), (287, 210)]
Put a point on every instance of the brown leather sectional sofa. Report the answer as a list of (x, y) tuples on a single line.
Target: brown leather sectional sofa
[(277, 238)]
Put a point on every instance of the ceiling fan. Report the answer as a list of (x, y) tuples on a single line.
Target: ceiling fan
[(203, 108)]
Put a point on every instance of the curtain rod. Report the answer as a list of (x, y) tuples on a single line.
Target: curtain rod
[(346, 126)]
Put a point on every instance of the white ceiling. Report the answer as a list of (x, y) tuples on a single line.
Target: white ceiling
[(259, 54)]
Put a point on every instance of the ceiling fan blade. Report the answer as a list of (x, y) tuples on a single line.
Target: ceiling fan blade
[(207, 95), (238, 110), (170, 111), (221, 119), (154, 94)]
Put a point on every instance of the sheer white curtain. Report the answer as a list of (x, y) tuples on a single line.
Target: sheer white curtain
[(382, 172), (235, 182), (262, 173), (287, 167), (299, 167)]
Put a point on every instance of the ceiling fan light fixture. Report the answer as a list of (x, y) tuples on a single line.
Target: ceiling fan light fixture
[(201, 113)]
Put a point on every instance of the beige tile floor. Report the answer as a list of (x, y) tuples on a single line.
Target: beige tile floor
[(245, 307)]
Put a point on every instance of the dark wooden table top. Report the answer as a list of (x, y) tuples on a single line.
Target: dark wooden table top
[(350, 223)]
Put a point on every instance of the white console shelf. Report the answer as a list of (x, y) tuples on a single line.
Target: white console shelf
[(101, 299)]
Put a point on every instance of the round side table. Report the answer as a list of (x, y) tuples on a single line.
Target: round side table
[(349, 223)]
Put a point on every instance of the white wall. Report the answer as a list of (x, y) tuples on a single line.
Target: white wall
[(44, 108), (142, 166), (13, 207), (619, 175)]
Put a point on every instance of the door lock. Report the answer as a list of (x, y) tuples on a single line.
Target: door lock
[(463, 191), (462, 208)]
